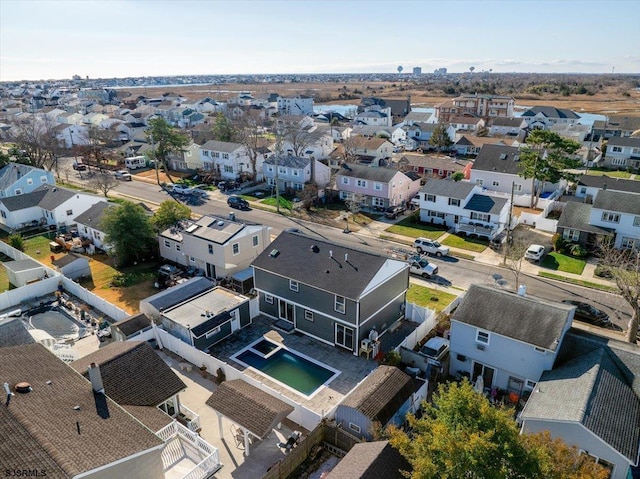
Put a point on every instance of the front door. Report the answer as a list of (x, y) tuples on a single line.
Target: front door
[(285, 310), (344, 337), (486, 372), (211, 270), (235, 320)]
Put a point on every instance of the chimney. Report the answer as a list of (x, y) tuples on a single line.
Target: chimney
[(96, 378), (604, 187)]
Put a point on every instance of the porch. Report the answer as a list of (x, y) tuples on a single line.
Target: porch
[(479, 229), (186, 455)]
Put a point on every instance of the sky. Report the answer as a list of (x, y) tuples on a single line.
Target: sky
[(105, 39)]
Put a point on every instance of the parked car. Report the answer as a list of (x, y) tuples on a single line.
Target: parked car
[(199, 191), (435, 348), (424, 245), (178, 189), (535, 252), (422, 267), (499, 240), (237, 202), (394, 211), (123, 175), (79, 166), (588, 313)]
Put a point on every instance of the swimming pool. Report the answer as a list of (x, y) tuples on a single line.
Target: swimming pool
[(55, 322), (286, 366)]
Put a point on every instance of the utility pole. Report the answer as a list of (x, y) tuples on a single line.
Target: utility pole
[(506, 244), (278, 148)]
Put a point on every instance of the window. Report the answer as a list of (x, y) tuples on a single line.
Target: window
[(619, 161), (636, 221), (431, 198), (339, 304), (270, 168), (256, 240), (495, 183), (480, 216), (29, 181), (235, 248), (529, 384), (210, 249), (610, 217), (435, 214), (167, 244), (517, 187), (635, 151), (354, 427), (268, 298), (43, 179), (216, 154), (295, 172), (178, 247), (192, 259), (18, 191), (225, 156), (4, 215), (69, 212), (571, 235), (213, 332), (616, 149), (345, 180), (293, 285), (96, 235), (228, 169), (308, 315), (480, 182), (282, 170), (344, 337), (454, 202), (629, 243), (361, 183), (377, 186), (540, 350), (482, 337)]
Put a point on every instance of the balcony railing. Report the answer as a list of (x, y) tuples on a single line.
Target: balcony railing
[(478, 229), (206, 453), (189, 418)]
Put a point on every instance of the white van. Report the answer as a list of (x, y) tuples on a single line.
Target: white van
[(135, 162)]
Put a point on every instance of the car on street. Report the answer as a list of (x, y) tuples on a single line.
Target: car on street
[(588, 313), (394, 211), (79, 166), (123, 175), (422, 267), (535, 252), (425, 245), (178, 189), (237, 202)]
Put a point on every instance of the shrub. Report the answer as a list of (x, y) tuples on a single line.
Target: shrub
[(558, 243), (602, 271), (392, 358), (17, 241), (577, 250)]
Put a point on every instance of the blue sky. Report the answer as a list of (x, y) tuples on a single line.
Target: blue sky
[(57, 39)]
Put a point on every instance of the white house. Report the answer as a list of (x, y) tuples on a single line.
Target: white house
[(543, 117), (374, 116), (507, 126), (71, 134), (588, 186), (89, 224), (394, 134), (370, 151), (292, 172), (619, 212), (466, 123), (18, 179), (622, 153), (186, 159), (295, 105), (230, 160)]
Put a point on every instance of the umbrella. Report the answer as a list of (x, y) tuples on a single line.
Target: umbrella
[(479, 386)]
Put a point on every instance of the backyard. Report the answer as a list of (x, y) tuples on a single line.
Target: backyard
[(428, 297), (413, 229)]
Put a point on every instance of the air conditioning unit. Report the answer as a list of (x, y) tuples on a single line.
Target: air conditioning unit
[(480, 347)]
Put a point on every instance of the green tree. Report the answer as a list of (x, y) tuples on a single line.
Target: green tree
[(546, 158), (457, 176), (165, 140), (128, 232), (16, 241), (440, 138), (223, 129), (168, 214)]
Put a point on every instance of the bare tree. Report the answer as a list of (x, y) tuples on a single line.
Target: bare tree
[(37, 139), (308, 195), (624, 267), (249, 132), (514, 258), (95, 144), (297, 135), (350, 146), (353, 206), (104, 182)]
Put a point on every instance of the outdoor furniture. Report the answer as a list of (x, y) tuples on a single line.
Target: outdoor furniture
[(291, 442)]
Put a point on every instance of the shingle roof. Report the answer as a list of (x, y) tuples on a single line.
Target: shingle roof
[(381, 393), (151, 416), (289, 161), (608, 183), (382, 175), (485, 204), (577, 216), (626, 123), (14, 333), (435, 162), (551, 112), (616, 201), (11, 172), (371, 460), (321, 264), (224, 146), (623, 141), (67, 259), (132, 373), (22, 265), (179, 293), (93, 215), (498, 158), (39, 428), (527, 319), (45, 196), (448, 188), (592, 388), (508, 122), (133, 324), (248, 406)]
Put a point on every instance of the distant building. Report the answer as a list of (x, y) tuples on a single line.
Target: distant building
[(440, 71), (417, 70)]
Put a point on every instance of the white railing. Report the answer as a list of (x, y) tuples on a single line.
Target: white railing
[(168, 431), (472, 229), (207, 466), (193, 419)]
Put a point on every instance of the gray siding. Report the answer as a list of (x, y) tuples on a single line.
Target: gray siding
[(176, 330), (383, 319), (322, 326), (380, 296), (346, 415), (202, 343), (268, 308), (245, 314)]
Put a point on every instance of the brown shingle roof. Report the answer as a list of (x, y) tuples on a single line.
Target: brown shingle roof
[(371, 460), (39, 428), (133, 324), (152, 417), (248, 406), (381, 393), (132, 373)]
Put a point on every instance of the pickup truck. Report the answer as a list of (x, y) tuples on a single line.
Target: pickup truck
[(421, 267)]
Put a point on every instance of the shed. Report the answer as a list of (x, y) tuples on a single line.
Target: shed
[(24, 271), (383, 397), (73, 266), (154, 305), (130, 327), (242, 281)]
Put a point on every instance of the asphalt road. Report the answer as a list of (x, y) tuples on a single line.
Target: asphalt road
[(454, 272)]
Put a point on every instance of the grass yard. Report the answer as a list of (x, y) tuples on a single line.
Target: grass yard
[(561, 262), (587, 284), (284, 203), (406, 227), (610, 173), (470, 244), (429, 298)]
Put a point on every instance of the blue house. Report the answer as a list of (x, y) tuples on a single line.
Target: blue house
[(17, 179)]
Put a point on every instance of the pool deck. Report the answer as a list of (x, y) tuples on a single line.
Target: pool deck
[(353, 368)]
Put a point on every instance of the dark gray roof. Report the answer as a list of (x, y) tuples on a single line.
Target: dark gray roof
[(67, 259), (11, 172), (448, 188), (619, 202), (289, 162), (551, 112), (133, 324), (45, 196), (382, 175), (623, 141), (309, 261), (93, 215), (179, 293), (577, 216), (224, 146), (485, 204), (208, 325), (605, 182), (504, 121), (594, 382), (626, 123), (22, 265), (371, 460), (499, 158), (14, 333), (527, 319)]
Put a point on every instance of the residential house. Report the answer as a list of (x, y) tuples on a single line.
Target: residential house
[(483, 106), (60, 424), (468, 145), (70, 118), (229, 160), (418, 117), (575, 131), (70, 135), (377, 187), (186, 159), (46, 206), (588, 186), (295, 105), (317, 141), (507, 126), (384, 397), (507, 339), (94, 119), (619, 213), (216, 245), (590, 400), (89, 224), (153, 306), (622, 153), (574, 225), (370, 151), (330, 292), (371, 460), (73, 266), (421, 133), (463, 206), (431, 166), (18, 179), (130, 327), (400, 107), (543, 117), (394, 134), (466, 123), (374, 116), (207, 319), (615, 125), (292, 173), (14, 333)]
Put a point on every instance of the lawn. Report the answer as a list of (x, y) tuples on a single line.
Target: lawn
[(470, 244), (407, 227), (428, 297), (284, 203), (560, 262), (610, 173)]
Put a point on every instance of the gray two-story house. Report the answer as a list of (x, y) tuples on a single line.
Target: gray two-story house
[(291, 173), (333, 293)]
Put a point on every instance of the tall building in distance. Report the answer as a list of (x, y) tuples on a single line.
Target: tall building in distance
[(417, 70), (440, 71)]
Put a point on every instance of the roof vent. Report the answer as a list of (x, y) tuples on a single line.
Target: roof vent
[(314, 248), (503, 156), (220, 223), (274, 253), (330, 253), (23, 388)]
